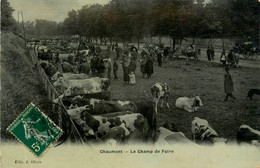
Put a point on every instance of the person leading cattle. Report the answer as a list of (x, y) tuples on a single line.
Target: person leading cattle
[(228, 85)]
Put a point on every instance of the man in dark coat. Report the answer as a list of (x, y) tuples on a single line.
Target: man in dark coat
[(115, 68), (231, 59), (94, 65), (208, 54), (159, 58), (101, 67), (132, 66), (142, 64), (228, 85), (149, 67)]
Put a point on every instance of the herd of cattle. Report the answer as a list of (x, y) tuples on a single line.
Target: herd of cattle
[(103, 120)]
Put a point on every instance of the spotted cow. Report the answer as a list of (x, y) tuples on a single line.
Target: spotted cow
[(248, 135), (202, 132), (132, 121), (75, 114), (98, 107), (160, 90)]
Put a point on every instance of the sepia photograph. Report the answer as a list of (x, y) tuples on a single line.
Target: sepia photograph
[(156, 83)]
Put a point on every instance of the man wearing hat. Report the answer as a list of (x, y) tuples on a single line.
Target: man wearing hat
[(228, 85)]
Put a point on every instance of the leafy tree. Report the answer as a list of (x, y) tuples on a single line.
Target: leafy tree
[(7, 21)]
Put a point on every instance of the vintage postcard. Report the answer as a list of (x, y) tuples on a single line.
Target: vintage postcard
[(130, 83)]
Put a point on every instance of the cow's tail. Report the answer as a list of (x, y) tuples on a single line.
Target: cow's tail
[(134, 106)]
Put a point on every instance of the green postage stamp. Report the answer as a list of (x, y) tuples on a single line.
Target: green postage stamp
[(35, 130)]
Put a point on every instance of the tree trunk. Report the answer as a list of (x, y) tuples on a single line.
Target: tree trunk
[(160, 39), (110, 40), (193, 40)]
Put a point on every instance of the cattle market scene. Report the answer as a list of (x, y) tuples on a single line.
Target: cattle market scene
[(127, 72)]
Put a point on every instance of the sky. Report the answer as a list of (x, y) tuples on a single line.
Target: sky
[(53, 10)]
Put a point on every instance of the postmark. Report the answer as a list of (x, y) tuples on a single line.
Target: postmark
[(35, 130)]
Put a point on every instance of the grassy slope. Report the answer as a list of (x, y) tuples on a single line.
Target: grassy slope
[(206, 80), (19, 82)]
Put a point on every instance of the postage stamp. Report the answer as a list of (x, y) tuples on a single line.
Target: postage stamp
[(35, 130)]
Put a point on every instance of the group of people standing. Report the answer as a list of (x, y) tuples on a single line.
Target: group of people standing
[(129, 66), (231, 60)]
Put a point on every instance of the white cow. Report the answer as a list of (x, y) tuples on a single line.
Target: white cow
[(69, 76), (160, 91), (189, 104), (131, 121), (116, 135), (84, 86), (202, 131)]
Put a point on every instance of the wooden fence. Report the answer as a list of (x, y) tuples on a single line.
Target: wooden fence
[(53, 94)]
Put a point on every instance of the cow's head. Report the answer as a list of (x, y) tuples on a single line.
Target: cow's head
[(68, 91), (59, 82), (198, 123), (197, 102), (56, 76), (44, 64), (105, 84)]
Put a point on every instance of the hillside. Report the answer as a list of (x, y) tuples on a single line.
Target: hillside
[(19, 83)]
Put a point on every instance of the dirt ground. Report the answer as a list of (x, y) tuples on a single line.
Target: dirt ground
[(204, 79)]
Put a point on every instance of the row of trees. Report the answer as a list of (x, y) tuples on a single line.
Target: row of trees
[(128, 20), (135, 19)]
